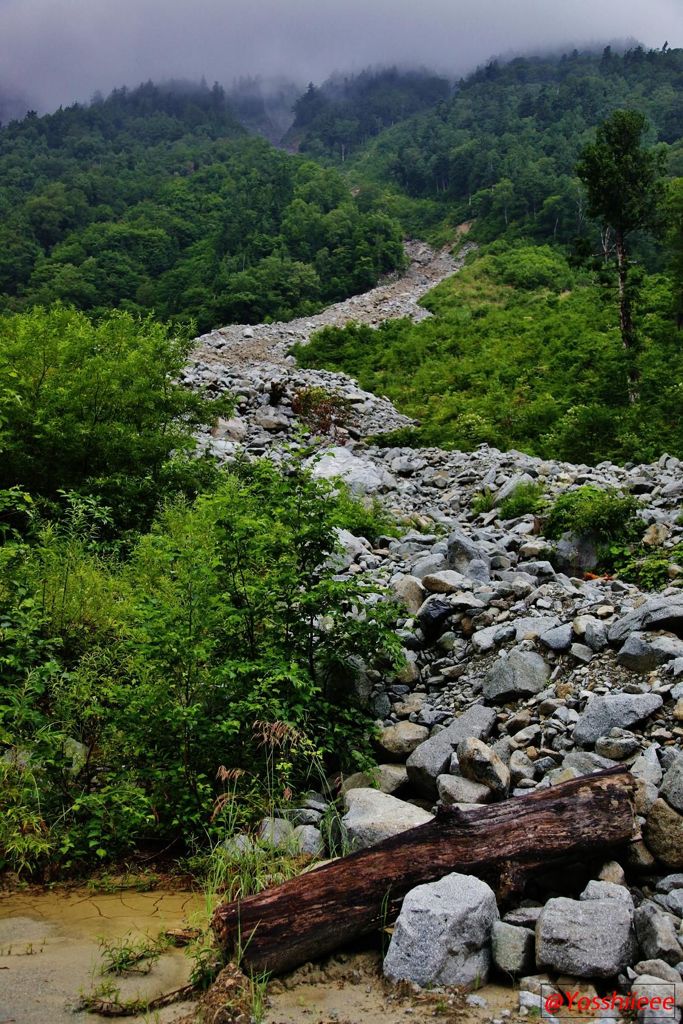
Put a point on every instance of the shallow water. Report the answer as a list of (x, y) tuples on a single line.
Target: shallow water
[(49, 950)]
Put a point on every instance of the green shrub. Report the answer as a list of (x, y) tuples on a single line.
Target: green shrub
[(95, 407), (648, 569), (525, 499), (364, 517), (224, 641), (607, 515), (484, 501)]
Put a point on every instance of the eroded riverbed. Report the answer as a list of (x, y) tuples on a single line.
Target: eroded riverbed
[(50, 950)]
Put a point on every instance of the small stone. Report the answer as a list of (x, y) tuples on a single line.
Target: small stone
[(618, 744), (479, 763), (277, 832), (651, 988), (672, 785), (656, 933), (308, 840), (512, 948), (612, 871), (453, 789), (602, 890)]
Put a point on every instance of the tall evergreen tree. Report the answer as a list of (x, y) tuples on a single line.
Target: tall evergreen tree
[(622, 180)]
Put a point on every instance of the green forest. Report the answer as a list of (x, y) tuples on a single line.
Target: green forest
[(154, 200), (525, 348)]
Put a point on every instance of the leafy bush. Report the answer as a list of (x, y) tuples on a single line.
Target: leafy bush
[(648, 569), (96, 408), (607, 515), (323, 410), (364, 517), (525, 499), (128, 684), (529, 267)]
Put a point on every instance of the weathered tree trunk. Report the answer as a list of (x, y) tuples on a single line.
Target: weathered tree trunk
[(628, 331), (317, 912)]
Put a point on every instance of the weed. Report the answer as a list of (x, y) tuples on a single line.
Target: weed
[(128, 956), (484, 501), (525, 499), (258, 985)]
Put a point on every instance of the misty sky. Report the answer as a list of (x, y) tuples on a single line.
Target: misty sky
[(56, 51)]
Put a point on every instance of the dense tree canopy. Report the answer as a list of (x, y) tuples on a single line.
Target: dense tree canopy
[(504, 148), (156, 200)]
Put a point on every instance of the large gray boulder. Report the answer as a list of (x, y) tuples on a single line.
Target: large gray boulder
[(432, 758), (521, 673), (672, 786), (443, 932), (575, 554), (664, 611), (643, 652), (603, 713), (446, 582), (361, 475), (372, 816), (463, 551), (588, 939), (531, 626)]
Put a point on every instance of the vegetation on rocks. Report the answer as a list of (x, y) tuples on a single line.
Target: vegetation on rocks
[(523, 350)]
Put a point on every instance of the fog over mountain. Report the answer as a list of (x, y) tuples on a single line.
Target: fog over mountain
[(56, 51)]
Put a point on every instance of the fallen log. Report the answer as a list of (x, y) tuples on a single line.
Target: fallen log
[(315, 913)]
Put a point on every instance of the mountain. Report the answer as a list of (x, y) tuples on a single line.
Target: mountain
[(525, 347), (157, 200)]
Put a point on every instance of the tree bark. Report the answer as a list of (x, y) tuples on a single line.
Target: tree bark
[(628, 332), (315, 913)]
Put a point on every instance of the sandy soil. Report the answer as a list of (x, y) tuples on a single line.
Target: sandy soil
[(49, 950)]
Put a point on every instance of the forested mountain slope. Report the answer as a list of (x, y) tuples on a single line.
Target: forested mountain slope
[(527, 348), (503, 149), (337, 118), (157, 200)]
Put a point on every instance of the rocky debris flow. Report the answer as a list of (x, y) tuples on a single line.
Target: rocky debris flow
[(252, 364), (521, 668)]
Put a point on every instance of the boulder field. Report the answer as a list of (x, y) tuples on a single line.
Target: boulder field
[(521, 669)]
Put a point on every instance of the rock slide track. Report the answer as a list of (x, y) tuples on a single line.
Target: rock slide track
[(520, 672)]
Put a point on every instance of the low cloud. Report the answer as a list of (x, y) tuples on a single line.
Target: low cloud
[(58, 51)]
